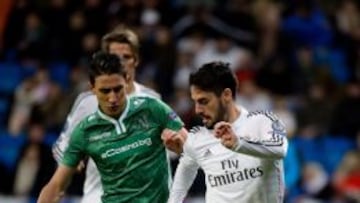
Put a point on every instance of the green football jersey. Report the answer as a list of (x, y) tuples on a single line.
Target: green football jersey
[(128, 151)]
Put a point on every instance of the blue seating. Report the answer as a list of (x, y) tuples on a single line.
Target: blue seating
[(4, 110), (10, 148), (60, 73), (335, 149), (326, 150), (309, 149), (11, 76)]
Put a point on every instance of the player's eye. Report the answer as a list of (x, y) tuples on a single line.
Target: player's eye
[(105, 90), (108, 90), (126, 57), (203, 101), (117, 89)]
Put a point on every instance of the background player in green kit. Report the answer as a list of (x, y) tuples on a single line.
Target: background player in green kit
[(123, 138)]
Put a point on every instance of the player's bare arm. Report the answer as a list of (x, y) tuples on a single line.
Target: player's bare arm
[(173, 140), (55, 189)]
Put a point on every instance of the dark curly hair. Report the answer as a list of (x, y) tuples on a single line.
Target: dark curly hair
[(214, 77)]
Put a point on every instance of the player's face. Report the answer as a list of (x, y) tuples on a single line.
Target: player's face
[(128, 58), (110, 91), (208, 106)]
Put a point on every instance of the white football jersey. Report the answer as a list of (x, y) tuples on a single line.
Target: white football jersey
[(252, 172), (85, 104)]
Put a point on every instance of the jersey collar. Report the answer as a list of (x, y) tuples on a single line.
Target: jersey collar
[(120, 127)]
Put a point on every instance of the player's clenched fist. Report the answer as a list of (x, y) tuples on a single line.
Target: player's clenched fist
[(225, 133), (174, 140)]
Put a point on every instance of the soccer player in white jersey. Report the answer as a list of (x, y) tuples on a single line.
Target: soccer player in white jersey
[(240, 152), (124, 43)]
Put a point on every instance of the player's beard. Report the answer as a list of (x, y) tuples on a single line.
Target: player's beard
[(220, 115)]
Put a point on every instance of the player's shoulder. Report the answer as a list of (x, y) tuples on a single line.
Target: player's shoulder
[(262, 115), (196, 133), (141, 103), (265, 118), (198, 139), (141, 100), (197, 130), (90, 120), (142, 90), (86, 98)]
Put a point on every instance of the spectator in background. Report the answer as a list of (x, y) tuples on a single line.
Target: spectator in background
[(90, 42), (52, 111), (239, 22), (223, 48), (268, 19), (307, 25), (164, 59), (250, 96), (15, 25), (347, 177), (276, 76), (32, 91), (181, 100), (347, 24), (56, 18), (76, 31), (315, 184), (343, 121), (316, 109), (35, 163), (34, 36)]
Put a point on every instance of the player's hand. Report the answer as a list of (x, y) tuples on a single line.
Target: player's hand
[(225, 133), (173, 140)]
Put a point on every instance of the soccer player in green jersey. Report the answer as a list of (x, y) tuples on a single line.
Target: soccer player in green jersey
[(123, 42), (123, 138)]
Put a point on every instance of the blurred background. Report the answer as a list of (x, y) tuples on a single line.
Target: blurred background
[(298, 58)]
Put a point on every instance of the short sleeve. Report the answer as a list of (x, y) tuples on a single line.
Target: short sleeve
[(75, 151), (167, 116)]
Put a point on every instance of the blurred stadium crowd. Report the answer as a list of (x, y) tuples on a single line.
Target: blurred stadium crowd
[(298, 58)]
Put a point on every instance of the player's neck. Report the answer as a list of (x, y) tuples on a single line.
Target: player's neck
[(233, 113), (131, 87)]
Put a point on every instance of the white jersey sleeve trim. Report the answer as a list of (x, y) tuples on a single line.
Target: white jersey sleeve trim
[(266, 137)]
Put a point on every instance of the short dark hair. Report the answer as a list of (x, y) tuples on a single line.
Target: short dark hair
[(214, 77), (105, 63)]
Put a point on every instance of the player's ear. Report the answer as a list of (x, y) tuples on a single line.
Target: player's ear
[(227, 94), (127, 78), (91, 86), (137, 61)]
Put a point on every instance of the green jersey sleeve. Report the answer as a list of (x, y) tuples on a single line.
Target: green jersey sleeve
[(75, 151), (168, 118)]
